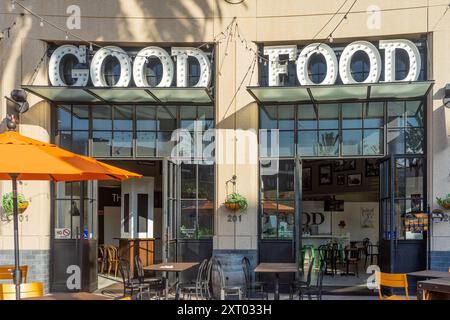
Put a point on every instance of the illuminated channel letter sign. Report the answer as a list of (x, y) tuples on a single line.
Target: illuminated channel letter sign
[(81, 69), (343, 66)]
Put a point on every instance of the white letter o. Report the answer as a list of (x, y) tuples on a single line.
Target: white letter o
[(97, 76), (303, 63)]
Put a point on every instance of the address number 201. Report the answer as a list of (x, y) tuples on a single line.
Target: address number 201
[(234, 218)]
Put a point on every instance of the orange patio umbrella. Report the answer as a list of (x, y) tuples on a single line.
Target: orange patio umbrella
[(23, 158)]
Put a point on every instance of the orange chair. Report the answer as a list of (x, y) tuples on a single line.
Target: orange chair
[(6, 272), (392, 280), (27, 290)]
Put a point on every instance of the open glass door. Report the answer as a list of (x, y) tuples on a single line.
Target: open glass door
[(403, 214), (171, 192)]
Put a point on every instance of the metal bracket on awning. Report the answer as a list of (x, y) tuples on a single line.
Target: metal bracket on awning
[(348, 92), (153, 95)]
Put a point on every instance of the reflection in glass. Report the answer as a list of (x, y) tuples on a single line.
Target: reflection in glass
[(146, 144), (328, 144), (328, 116), (205, 219), (396, 141), (64, 118), (268, 116), (373, 114), (307, 143), (351, 142), (101, 118), (414, 138), (414, 113), (123, 118), (188, 223), (80, 142), (167, 118), (80, 118), (286, 117), (395, 112), (287, 143), (351, 115), (285, 219), (373, 142), (206, 182), (164, 144), (286, 179), (188, 181), (123, 144), (269, 172), (101, 143), (145, 118), (269, 223), (307, 117)]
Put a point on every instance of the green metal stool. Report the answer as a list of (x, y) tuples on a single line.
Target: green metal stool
[(312, 254)]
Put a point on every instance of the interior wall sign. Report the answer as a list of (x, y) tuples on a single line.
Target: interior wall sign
[(342, 67), (82, 69)]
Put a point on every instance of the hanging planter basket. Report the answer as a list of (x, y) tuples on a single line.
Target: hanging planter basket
[(236, 202), (7, 203), (444, 202)]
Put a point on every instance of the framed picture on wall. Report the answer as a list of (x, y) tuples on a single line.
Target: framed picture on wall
[(368, 218), (307, 178), (354, 180), (340, 179), (372, 168), (344, 165), (325, 174)]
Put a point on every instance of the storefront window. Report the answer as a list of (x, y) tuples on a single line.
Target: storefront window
[(317, 69), (277, 201), (129, 131), (360, 66), (68, 210), (111, 70), (197, 201), (410, 215), (405, 127)]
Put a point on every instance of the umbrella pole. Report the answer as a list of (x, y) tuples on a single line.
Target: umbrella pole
[(17, 272)]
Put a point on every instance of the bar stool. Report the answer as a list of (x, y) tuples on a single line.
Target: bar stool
[(311, 250)]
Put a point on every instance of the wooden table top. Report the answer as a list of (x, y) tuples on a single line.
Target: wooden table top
[(277, 267), (71, 296), (437, 285), (431, 274), (171, 266)]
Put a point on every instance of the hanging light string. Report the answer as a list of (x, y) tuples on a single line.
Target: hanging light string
[(36, 69), (42, 21), (7, 31)]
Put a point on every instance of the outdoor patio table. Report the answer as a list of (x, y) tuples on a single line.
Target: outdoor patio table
[(176, 267), (434, 289), (276, 268), (429, 274), (71, 296)]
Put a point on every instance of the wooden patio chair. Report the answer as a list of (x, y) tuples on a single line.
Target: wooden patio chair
[(27, 290), (392, 280), (6, 272), (113, 260)]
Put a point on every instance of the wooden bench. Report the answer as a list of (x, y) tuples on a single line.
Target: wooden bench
[(6, 273)]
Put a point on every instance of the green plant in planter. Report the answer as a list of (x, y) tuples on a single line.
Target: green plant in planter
[(8, 203), (235, 202), (444, 202)]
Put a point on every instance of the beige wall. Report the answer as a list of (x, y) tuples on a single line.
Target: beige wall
[(142, 22)]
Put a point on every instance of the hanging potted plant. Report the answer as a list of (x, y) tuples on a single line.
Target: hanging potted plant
[(236, 202), (444, 202), (7, 203)]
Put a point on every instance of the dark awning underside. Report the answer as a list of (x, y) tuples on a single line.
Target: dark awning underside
[(61, 95), (348, 92)]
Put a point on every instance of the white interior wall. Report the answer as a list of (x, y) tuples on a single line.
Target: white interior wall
[(111, 225)]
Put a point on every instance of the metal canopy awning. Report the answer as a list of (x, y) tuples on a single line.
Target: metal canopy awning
[(61, 95), (348, 92)]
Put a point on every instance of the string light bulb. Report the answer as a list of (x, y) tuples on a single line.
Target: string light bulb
[(67, 36), (13, 5), (330, 38), (345, 20), (90, 47), (41, 23)]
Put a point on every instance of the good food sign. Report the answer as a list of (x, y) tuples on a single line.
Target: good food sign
[(176, 63), (343, 66), (135, 70)]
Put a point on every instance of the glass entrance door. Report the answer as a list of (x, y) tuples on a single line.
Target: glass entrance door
[(403, 213), (171, 208)]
